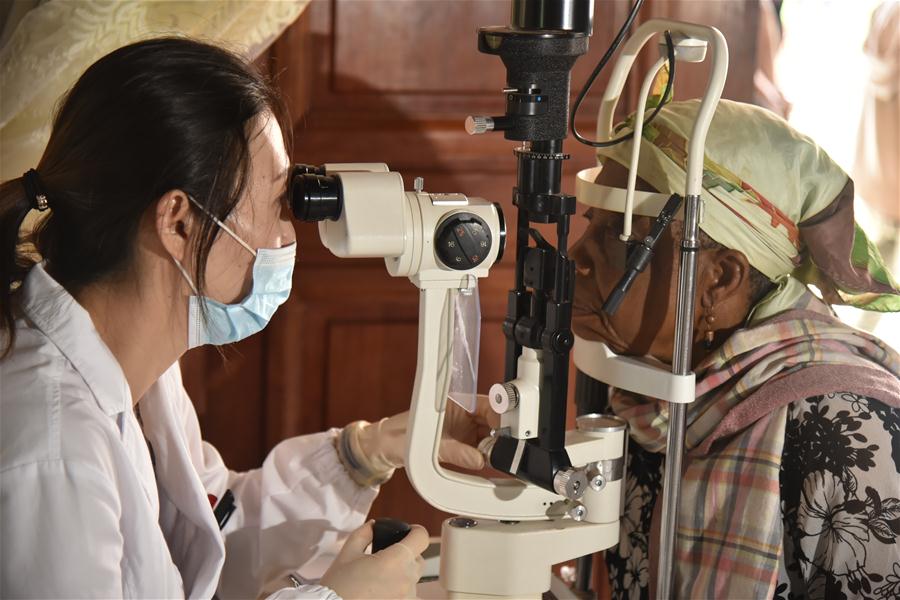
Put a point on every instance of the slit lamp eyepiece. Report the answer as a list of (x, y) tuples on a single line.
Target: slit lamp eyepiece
[(315, 196)]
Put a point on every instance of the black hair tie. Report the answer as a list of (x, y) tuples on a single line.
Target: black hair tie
[(34, 191)]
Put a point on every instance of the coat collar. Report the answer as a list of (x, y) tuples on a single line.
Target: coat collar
[(69, 326)]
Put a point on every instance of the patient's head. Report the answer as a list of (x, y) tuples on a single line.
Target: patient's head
[(727, 286), (777, 215)]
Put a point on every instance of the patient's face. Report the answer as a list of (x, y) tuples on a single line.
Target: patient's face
[(645, 321)]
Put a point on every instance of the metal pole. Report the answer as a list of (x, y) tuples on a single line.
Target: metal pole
[(584, 572), (681, 365)]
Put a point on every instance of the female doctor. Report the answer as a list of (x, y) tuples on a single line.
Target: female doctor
[(166, 228)]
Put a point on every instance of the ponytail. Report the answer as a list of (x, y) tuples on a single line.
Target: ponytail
[(17, 198)]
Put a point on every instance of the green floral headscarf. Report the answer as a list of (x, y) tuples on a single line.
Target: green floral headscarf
[(773, 194)]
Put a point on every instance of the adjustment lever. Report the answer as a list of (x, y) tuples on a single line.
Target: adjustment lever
[(639, 256), (387, 532), (478, 125), (540, 241)]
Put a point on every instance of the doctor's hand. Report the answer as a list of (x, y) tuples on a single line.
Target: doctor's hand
[(385, 441), (390, 573)]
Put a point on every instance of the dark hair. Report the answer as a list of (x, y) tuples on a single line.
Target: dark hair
[(157, 115)]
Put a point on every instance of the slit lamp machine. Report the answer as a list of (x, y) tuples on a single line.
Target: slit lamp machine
[(563, 498)]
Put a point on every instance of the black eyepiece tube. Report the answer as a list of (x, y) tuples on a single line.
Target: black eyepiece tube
[(639, 256), (310, 169), (315, 196)]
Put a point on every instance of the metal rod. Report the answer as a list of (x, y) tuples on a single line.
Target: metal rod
[(671, 495), (681, 365), (584, 573)]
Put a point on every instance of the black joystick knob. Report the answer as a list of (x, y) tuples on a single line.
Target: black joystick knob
[(387, 532), (462, 241)]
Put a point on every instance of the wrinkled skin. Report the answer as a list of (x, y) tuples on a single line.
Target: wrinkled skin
[(645, 322)]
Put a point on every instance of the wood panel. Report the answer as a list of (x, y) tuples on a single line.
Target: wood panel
[(426, 46)]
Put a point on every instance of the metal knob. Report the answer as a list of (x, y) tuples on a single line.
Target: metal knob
[(478, 125), (578, 512), (462, 522), (570, 483), (504, 397), (598, 481)]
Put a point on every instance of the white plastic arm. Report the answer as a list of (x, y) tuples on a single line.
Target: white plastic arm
[(449, 491), (636, 146)]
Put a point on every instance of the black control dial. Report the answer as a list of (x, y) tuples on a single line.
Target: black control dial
[(387, 532), (462, 241)]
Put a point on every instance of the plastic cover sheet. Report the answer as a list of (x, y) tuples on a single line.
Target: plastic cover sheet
[(466, 342)]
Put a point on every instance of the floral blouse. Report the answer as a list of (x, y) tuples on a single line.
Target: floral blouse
[(840, 493)]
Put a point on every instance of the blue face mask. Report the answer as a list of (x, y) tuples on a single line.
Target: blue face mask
[(273, 270)]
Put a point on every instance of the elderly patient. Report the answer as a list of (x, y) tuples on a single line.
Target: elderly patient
[(792, 473)]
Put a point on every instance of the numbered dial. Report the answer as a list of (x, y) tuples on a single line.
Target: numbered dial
[(462, 241)]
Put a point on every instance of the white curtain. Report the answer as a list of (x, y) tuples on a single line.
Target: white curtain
[(48, 44)]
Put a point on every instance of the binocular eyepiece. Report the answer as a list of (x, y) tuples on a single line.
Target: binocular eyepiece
[(363, 211), (313, 195)]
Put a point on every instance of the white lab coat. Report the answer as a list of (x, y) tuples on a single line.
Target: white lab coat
[(85, 513)]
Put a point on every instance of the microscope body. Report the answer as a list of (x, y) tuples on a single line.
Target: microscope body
[(564, 497), (511, 531), (538, 49), (436, 239)]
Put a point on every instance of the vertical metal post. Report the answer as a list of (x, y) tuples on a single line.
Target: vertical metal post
[(681, 365)]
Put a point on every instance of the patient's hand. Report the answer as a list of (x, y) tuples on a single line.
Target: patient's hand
[(463, 431), (386, 439)]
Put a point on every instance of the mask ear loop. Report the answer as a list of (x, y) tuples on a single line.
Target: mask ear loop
[(225, 227), (187, 277)]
